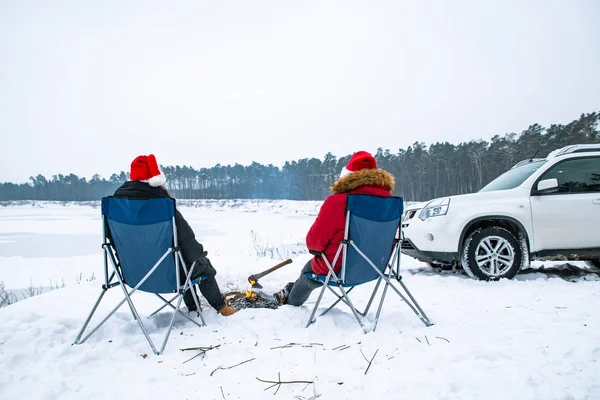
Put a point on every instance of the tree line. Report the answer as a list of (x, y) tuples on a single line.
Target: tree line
[(422, 172)]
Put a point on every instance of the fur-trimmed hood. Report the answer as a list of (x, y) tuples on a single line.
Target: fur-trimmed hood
[(364, 177)]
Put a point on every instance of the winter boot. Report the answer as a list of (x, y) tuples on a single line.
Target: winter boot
[(284, 293), (227, 311)]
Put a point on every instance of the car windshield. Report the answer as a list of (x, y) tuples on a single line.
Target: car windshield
[(513, 177)]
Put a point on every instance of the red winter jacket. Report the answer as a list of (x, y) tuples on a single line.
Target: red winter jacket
[(327, 231)]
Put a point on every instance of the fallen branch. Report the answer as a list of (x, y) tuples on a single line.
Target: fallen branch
[(203, 351), (204, 348), (280, 382), (427, 339), (438, 337), (222, 394), (418, 340), (368, 366), (233, 366)]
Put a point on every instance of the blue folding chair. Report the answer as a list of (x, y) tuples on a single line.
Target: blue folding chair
[(370, 250), (140, 240)]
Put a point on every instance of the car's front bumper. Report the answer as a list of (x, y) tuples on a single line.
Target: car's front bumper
[(434, 240), (432, 257)]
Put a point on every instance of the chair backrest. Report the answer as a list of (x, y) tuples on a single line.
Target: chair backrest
[(141, 233), (372, 226)]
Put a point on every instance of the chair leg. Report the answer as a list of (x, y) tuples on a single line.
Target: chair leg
[(137, 317), (380, 306), (421, 314), (344, 298), (314, 311), (422, 317), (89, 318), (349, 303), (197, 302), (188, 285), (162, 348), (364, 313), (110, 314)]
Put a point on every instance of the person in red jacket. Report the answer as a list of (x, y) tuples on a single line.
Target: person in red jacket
[(360, 176)]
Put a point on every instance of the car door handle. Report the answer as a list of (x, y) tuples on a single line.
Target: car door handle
[(597, 201)]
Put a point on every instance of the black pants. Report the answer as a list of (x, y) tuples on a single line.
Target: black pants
[(208, 286), (303, 287)]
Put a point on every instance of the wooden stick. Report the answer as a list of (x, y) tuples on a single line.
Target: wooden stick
[(368, 366), (200, 348), (233, 366), (280, 382), (202, 352)]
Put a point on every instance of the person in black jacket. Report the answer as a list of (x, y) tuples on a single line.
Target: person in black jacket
[(147, 182)]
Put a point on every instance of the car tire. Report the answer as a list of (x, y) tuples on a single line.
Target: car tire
[(492, 253)]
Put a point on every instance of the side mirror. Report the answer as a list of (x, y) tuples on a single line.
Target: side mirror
[(547, 185)]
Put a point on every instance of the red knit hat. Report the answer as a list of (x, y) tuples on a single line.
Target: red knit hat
[(145, 169), (359, 160)]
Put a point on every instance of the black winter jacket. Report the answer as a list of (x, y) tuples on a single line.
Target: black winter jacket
[(190, 248)]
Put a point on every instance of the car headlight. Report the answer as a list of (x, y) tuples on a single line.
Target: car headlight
[(435, 208)]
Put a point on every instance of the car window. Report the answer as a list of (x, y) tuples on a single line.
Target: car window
[(579, 175), (513, 177)]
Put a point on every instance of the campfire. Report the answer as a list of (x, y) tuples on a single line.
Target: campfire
[(251, 298)]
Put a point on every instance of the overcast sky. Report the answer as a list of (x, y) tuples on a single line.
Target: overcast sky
[(85, 86)]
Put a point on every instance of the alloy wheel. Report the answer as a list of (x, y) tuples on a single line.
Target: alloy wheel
[(494, 256)]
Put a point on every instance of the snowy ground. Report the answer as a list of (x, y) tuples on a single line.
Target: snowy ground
[(535, 337)]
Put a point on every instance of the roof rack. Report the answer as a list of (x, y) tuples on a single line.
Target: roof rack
[(527, 161), (575, 148)]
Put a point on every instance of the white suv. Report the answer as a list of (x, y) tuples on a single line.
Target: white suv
[(544, 209)]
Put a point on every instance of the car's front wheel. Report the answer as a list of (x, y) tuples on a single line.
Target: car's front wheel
[(491, 253)]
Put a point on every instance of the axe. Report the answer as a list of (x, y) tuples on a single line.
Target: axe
[(253, 279)]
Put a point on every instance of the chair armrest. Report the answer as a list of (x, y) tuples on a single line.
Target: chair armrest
[(315, 252)]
